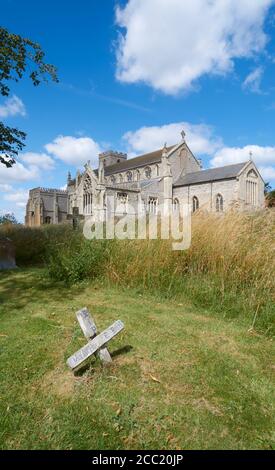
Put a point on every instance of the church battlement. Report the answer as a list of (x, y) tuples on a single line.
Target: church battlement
[(48, 190), (111, 157)]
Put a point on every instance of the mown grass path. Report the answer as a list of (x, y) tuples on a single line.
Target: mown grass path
[(180, 379)]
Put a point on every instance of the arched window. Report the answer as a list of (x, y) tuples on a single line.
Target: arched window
[(129, 176), (87, 195), (122, 202), (87, 203), (195, 204), (252, 188), (153, 205), (113, 179), (157, 170), (176, 205), (47, 220), (137, 175), (219, 203), (148, 172)]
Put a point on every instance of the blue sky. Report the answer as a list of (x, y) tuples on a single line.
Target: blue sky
[(132, 74)]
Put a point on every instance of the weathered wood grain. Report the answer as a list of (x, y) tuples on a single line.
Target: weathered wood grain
[(88, 326), (86, 323), (104, 356), (94, 345)]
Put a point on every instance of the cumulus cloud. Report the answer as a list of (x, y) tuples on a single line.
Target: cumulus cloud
[(5, 188), (74, 150), (40, 160), (253, 81), (18, 197), (199, 137), (264, 157), (13, 106), (18, 173), (268, 173), (228, 155), (170, 44)]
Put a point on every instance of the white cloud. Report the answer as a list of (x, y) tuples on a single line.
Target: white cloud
[(74, 150), (40, 160), (253, 81), (17, 173), (170, 44), (5, 188), (228, 155), (18, 197), (264, 158), (199, 137), (12, 107), (268, 173)]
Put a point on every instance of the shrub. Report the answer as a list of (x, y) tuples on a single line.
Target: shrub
[(77, 259), (33, 244), (228, 269)]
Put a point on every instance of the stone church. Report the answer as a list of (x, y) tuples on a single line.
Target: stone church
[(172, 175), (46, 206)]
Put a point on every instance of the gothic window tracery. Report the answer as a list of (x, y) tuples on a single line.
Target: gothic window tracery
[(153, 205), (252, 188), (129, 176), (148, 172), (219, 203), (87, 195), (122, 202)]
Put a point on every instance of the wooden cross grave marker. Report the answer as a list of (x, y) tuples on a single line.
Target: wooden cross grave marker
[(96, 344)]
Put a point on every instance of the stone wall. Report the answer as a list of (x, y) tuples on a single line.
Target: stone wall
[(207, 194), (46, 206)]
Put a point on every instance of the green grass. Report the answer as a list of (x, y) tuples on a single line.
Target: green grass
[(215, 379)]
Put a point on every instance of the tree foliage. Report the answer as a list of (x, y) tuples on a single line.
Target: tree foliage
[(267, 187), (11, 142), (18, 57), (8, 219)]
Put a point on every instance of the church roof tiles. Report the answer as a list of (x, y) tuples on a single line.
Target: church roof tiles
[(213, 174), (137, 162)]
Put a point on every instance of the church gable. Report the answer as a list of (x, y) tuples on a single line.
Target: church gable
[(183, 161), (250, 167), (251, 186)]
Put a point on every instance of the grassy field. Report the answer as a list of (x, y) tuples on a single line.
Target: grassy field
[(181, 378)]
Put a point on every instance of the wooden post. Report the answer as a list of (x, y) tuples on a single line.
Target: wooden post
[(77, 359), (89, 329)]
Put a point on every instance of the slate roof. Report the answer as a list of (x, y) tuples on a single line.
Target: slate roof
[(146, 159), (214, 174)]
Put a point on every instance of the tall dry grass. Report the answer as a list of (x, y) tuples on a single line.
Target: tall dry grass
[(229, 268), (33, 244)]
